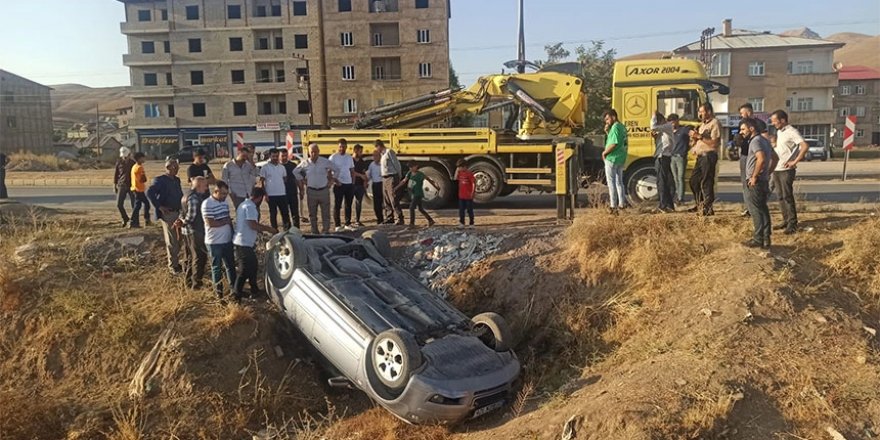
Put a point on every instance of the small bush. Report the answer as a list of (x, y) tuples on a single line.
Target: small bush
[(40, 162)]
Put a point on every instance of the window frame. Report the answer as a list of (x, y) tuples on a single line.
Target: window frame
[(757, 103), (237, 15), (349, 106), (238, 110), (348, 72), (232, 74), (203, 107), (236, 48), (423, 32), (422, 4), (151, 45), (845, 90), (304, 5), (299, 107), (757, 68), (194, 43), (860, 89), (349, 39), (151, 79), (300, 38), (860, 111), (426, 70), (192, 16), (196, 77), (340, 6), (140, 15)]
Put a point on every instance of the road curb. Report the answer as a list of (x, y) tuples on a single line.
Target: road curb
[(82, 182)]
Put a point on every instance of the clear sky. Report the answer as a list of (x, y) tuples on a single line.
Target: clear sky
[(78, 41)]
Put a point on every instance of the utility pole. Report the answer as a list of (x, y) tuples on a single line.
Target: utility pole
[(97, 130), (521, 47), (308, 80)]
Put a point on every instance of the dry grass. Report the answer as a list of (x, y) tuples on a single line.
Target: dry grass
[(40, 162), (378, 424), (859, 257)]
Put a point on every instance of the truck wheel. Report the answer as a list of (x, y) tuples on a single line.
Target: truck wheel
[(508, 190), (394, 355), (379, 240), (641, 183), (439, 195), (488, 180), (282, 260), (493, 330)]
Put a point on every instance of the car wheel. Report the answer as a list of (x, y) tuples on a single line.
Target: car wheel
[(379, 240), (493, 330), (283, 259), (394, 356)]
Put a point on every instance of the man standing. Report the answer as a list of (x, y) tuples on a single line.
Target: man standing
[(375, 174), (290, 188), (760, 159), (3, 161), (139, 188), (706, 140), (316, 174), (274, 176), (361, 182), (791, 149), (746, 111), (241, 174), (390, 179), (681, 135), (663, 134), (166, 196), (614, 155), (343, 191), (200, 167), (122, 183), (192, 226), (247, 227), (218, 238)]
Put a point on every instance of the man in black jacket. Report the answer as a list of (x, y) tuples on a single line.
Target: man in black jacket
[(166, 196), (290, 188), (122, 183)]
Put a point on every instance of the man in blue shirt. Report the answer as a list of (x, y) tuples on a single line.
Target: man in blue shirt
[(760, 160), (166, 196)]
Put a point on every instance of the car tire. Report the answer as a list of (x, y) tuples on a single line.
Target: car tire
[(282, 260), (488, 179), (493, 330), (394, 356), (380, 241)]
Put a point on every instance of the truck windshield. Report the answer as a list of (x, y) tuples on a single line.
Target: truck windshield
[(682, 102)]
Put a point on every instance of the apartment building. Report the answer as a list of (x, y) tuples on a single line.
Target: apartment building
[(219, 73), (858, 95), (772, 72), (25, 115)]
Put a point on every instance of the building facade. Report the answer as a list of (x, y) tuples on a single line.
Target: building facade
[(25, 115), (221, 73), (772, 72), (858, 95)]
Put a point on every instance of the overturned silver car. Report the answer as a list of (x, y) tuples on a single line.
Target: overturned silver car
[(387, 334)]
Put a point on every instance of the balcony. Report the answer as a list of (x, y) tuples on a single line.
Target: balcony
[(145, 27), (162, 122), (146, 59), (383, 6), (151, 92), (810, 80)]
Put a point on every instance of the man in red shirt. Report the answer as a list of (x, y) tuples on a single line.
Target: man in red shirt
[(467, 186)]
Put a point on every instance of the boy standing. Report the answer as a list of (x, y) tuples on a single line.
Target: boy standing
[(467, 187), (415, 179), (247, 227), (139, 188), (218, 237)]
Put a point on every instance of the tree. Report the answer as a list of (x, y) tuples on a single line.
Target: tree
[(597, 69), (453, 78), (555, 53), (465, 120)]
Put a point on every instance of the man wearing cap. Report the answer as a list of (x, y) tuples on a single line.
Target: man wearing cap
[(166, 196), (122, 183), (240, 174), (317, 173)]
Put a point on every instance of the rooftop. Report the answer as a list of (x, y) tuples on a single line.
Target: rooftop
[(851, 73), (746, 39), (6, 72)]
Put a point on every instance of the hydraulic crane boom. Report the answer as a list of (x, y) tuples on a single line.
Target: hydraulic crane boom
[(553, 104)]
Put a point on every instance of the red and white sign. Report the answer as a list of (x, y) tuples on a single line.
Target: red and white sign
[(288, 143), (849, 133), (239, 140)]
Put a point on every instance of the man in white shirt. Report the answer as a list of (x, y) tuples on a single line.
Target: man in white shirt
[(391, 171), (317, 175), (240, 174), (791, 149), (343, 191), (274, 177), (218, 237), (247, 227), (374, 172), (663, 138)]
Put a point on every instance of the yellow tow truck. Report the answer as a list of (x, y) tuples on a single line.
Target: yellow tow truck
[(552, 105)]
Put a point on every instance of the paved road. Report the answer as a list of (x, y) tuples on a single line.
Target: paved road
[(89, 198)]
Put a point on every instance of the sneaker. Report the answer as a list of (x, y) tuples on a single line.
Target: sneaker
[(790, 231), (349, 228), (359, 224), (461, 226), (134, 226), (431, 223), (745, 213), (339, 229), (694, 209), (753, 244), (780, 227), (471, 226), (124, 224)]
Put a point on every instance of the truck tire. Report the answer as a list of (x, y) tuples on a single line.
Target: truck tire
[(493, 330), (394, 356), (508, 190), (488, 181), (438, 196), (282, 260), (379, 240), (641, 183)]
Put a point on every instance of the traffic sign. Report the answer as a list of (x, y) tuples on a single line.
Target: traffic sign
[(849, 133)]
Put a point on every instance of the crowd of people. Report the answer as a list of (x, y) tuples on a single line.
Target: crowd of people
[(200, 224), (766, 162)]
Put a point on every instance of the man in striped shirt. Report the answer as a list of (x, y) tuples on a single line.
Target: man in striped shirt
[(192, 226), (218, 238)]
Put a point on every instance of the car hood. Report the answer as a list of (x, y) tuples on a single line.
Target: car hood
[(459, 357)]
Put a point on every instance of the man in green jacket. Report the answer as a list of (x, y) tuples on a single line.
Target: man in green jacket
[(616, 150)]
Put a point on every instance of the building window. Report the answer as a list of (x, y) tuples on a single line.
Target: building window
[(300, 41), (860, 90), (279, 43), (148, 47), (349, 106), (276, 10), (344, 5), (236, 44), (199, 110), (168, 79), (164, 13), (377, 39), (150, 79), (844, 112), (421, 4), (424, 70), (238, 76), (302, 107), (263, 76), (756, 68), (302, 75), (233, 12), (379, 72), (720, 64), (804, 104), (801, 67), (860, 132), (347, 39), (144, 15), (262, 43), (845, 90), (170, 110), (279, 75), (197, 77), (860, 112), (423, 36), (151, 111), (282, 107), (195, 45), (11, 122), (239, 109), (299, 8), (757, 104), (348, 73), (166, 45), (192, 12)]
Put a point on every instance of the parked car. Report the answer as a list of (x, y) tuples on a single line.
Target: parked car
[(816, 150), (383, 332)]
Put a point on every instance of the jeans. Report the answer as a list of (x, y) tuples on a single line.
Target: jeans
[(679, 165), (416, 202), (703, 182), (665, 185), (614, 180), (246, 261), (293, 205), (756, 203), (784, 182), (123, 193), (743, 161), (316, 199), (196, 256), (342, 193), (359, 193), (172, 239), (277, 203), (140, 201), (465, 205), (392, 198), (378, 202), (222, 255)]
